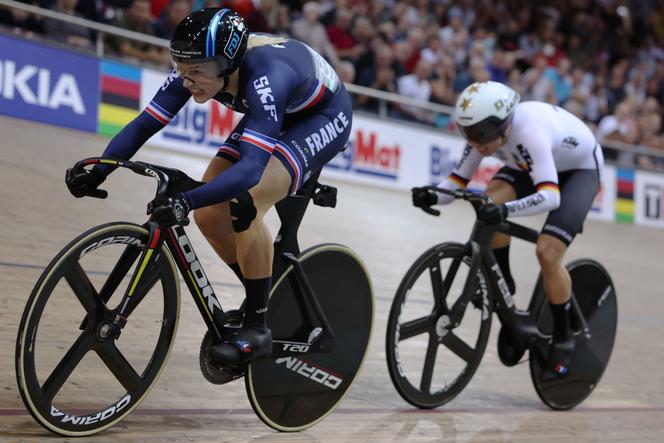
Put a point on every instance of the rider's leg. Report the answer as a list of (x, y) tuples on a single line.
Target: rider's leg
[(254, 246), (215, 224), (501, 191), (557, 285), (255, 252)]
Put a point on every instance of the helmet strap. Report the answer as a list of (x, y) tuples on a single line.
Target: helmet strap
[(226, 84)]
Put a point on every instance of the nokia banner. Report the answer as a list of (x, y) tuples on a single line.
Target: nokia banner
[(48, 85)]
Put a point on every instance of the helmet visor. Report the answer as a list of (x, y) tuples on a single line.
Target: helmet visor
[(485, 131), (207, 69)]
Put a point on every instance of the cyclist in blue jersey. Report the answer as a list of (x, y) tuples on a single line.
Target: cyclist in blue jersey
[(297, 117)]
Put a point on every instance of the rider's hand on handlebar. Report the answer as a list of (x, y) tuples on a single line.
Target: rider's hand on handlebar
[(491, 213), (84, 182), (424, 198), (170, 211)]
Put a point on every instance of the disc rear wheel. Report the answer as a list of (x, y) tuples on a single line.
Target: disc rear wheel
[(295, 392), (596, 297)]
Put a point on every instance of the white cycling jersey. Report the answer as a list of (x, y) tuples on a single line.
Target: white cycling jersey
[(544, 140)]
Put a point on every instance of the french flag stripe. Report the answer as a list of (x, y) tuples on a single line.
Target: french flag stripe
[(156, 115), (257, 142), (265, 138), (230, 150), (164, 112), (293, 162), (315, 96)]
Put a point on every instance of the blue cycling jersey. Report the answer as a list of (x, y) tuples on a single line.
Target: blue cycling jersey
[(279, 84)]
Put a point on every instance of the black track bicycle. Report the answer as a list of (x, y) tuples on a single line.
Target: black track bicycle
[(100, 323), (440, 320)]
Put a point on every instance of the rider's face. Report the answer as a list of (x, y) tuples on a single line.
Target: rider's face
[(487, 149), (200, 79)]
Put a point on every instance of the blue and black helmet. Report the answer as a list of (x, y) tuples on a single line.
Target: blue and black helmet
[(211, 34)]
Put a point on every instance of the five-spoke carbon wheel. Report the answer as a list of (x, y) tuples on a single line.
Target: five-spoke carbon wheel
[(436, 331), (75, 375)]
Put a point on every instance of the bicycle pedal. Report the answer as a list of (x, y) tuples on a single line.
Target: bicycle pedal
[(213, 372)]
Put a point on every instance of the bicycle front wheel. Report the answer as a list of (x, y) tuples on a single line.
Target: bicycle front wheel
[(293, 393), (76, 378), (430, 360)]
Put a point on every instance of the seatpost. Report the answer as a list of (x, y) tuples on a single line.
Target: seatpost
[(291, 211)]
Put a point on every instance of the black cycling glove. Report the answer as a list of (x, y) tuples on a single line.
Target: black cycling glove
[(423, 198), (83, 182), (170, 211), (492, 214)]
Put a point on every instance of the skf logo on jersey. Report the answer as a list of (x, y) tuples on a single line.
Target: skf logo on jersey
[(265, 94)]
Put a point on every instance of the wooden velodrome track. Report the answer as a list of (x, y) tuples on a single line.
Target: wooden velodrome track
[(38, 217)]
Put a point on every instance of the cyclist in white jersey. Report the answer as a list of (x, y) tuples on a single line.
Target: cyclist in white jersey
[(552, 164)]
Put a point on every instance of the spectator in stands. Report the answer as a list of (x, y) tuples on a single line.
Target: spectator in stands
[(416, 86), (64, 32), (173, 14), (282, 23), (560, 80), (263, 16), (346, 72), (311, 31), (537, 86), (378, 75), (442, 82), (17, 19), (339, 33), (650, 126), (137, 17), (621, 126)]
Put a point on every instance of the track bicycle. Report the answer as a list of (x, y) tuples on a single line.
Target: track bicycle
[(99, 324), (440, 320)]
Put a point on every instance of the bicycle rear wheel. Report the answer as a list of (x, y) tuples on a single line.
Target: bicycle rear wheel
[(293, 393), (596, 296), (74, 377), (429, 359)]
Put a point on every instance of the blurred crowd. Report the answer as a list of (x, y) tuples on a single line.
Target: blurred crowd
[(602, 60)]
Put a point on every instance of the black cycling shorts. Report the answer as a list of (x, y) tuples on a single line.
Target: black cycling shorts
[(578, 189)]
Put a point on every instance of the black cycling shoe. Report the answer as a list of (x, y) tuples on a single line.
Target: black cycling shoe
[(559, 357), (509, 353), (249, 343)]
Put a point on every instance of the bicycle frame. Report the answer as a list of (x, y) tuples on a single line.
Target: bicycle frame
[(521, 324), (291, 212)]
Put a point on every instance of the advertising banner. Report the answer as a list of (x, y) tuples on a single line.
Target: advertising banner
[(48, 85), (603, 207), (649, 199), (400, 156)]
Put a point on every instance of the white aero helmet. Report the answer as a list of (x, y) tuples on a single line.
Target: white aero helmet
[(483, 111)]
